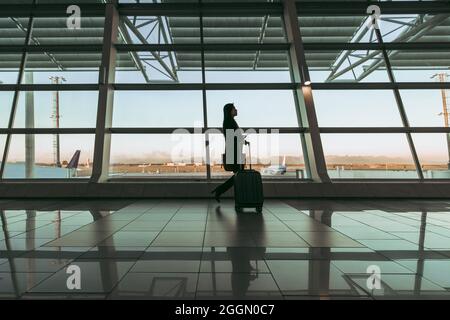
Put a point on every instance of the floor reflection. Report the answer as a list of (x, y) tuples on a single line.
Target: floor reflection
[(247, 271), (195, 249)]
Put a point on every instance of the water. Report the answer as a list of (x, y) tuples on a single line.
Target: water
[(17, 171)]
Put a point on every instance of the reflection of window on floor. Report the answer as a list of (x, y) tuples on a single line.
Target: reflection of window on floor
[(168, 287)]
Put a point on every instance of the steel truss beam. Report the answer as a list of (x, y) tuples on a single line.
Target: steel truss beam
[(407, 37), (123, 31), (170, 72), (413, 34)]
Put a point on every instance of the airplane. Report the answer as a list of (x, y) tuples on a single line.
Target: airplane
[(277, 169), (73, 164)]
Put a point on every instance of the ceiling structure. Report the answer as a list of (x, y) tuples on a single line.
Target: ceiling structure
[(263, 29)]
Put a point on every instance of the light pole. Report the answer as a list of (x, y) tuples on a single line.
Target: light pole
[(55, 115)]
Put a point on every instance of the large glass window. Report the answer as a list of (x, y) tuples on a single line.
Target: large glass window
[(347, 66), (158, 155), (170, 67), (9, 67), (62, 68), (60, 31), (255, 66), (243, 29), (36, 156), (173, 109), (356, 108), (419, 65), (6, 99), (373, 156), (12, 34), (256, 108), (274, 155), (434, 154), (53, 109), (426, 108), (176, 69)]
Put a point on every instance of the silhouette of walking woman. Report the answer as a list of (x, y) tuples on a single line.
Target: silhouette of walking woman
[(233, 146)]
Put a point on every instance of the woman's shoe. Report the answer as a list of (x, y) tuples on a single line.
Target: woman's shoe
[(216, 195)]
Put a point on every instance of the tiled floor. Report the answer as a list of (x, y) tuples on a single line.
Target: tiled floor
[(196, 249)]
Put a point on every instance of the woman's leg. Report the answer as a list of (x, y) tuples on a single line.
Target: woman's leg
[(224, 187)]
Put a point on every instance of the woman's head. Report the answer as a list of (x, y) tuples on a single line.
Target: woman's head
[(229, 111)]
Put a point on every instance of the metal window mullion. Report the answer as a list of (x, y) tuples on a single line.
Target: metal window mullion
[(15, 101), (106, 79), (399, 102), (204, 100), (306, 158), (306, 114)]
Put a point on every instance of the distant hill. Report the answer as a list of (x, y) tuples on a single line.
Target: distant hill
[(162, 157)]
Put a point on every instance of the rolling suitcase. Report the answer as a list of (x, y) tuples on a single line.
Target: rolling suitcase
[(248, 188)]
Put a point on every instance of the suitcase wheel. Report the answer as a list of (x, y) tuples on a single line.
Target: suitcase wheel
[(259, 209)]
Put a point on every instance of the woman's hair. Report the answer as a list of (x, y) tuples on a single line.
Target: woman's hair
[(227, 111)]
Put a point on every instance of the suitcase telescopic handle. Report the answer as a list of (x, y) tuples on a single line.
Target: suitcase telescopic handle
[(249, 154)]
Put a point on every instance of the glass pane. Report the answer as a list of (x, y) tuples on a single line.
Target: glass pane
[(6, 99), (64, 30), (248, 30), (276, 156), (45, 155), (413, 28), (76, 109), (46, 68), (159, 30), (173, 109), (356, 108), (158, 156), (11, 31), (346, 66), (419, 66), (2, 146), (426, 108), (433, 152), (9, 67), (256, 108), (247, 66), (165, 67), (329, 28), (374, 156)]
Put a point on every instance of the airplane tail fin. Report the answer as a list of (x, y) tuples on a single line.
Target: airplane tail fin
[(73, 163)]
